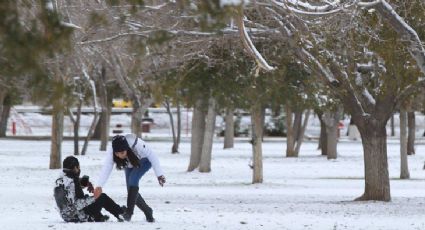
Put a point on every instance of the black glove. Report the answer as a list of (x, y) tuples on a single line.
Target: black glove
[(161, 180), (84, 181), (90, 187)]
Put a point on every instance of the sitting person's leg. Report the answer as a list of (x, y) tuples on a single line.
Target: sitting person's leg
[(104, 201)]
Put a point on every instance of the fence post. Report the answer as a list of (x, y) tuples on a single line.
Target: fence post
[(13, 128)]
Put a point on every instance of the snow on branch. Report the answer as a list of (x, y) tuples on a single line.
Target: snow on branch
[(403, 29), (233, 2), (157, 7), (325, 72), (369, 97), (369, 4), (92, 86), (250, 47), (109, 38), (310, 10), (146, 33), (354, 96), (70, 25)]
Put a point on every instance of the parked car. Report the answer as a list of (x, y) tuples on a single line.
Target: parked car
[(121, 103)]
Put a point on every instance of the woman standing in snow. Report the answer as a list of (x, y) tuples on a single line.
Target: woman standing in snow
[(134, 156)]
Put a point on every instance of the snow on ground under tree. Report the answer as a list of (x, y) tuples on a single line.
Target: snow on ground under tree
[(308, 192)]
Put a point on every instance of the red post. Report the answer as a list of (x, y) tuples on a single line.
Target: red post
[(340, 126), (14, 128)]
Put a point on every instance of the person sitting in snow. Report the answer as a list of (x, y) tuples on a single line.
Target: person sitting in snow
[(74, 205)]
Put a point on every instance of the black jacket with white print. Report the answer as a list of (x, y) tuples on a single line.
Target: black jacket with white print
[(76, 200)]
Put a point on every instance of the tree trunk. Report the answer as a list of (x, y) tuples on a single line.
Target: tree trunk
[(332, 140), (173, 130), (6, 105), (374, 140), (57, 135), (175, 147), (76, 126), (411, 124), (139, 109), (136, 119), (301, 132), (102, 128), (297, 125), (104, 123), (90, 132), (197, 139), (392, 126), (229, 131), (205, 163), (3, 94), (263, 122), (257, 155), (404, 169), (323, 136), (96, 134), (290, 139), (4, 118), (95, 112), (331, 120)]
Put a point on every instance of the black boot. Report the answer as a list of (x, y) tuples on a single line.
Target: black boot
[(99, 218), (140, 202), (133, 192), (120, 217), (104, 201)]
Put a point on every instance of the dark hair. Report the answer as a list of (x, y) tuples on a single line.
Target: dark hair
[(70, 162), (122, 163), (119, 143)]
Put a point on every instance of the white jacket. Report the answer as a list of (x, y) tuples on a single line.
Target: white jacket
[(141, 149)]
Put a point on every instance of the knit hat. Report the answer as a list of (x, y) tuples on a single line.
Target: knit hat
[(70, 162), (119, 144)]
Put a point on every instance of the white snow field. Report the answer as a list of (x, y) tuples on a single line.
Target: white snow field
[(309, 192)]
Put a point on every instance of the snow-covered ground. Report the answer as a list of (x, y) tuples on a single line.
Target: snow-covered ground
[(308, 192)]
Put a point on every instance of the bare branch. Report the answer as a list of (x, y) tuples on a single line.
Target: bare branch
[(250, 47)]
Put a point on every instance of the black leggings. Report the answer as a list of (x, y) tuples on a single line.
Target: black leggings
[(103, 201)]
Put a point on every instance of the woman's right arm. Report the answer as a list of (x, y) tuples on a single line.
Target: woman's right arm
[(108, 164)]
